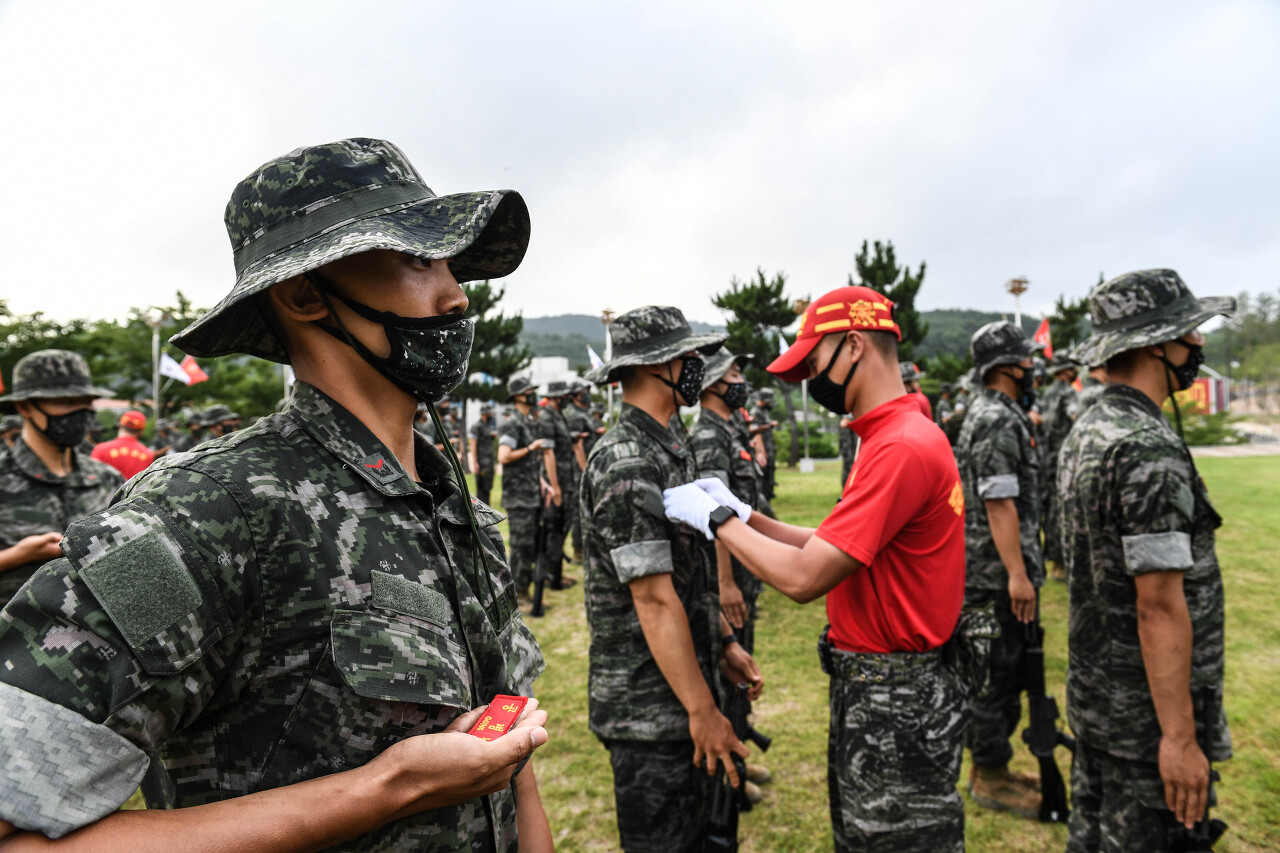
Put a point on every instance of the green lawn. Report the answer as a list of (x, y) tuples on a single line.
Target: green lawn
[(573, 767)]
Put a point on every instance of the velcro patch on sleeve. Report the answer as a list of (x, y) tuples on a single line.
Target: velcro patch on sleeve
[(143, 586), (401, 595)]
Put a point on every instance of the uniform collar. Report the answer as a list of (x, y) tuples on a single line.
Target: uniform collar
[(26, 461), (1003, 399), (871, 422), (347, 438), (1133, 397), (643, 421), (725, 424)]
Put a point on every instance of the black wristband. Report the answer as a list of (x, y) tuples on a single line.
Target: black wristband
[(727, 640)]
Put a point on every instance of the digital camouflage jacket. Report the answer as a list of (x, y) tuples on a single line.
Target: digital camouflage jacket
[(482, 432), (626, 536), (998, 459), (554, 427), (520, 478), (33, 500), (1132, 502), (278, 605)]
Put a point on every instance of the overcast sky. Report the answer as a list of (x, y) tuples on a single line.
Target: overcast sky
[(662, 147)]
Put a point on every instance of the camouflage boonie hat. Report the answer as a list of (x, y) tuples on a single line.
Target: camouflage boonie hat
[(578, 385), (217, 414), (486, 408), (654, 334), (1144, 308), (765, 394), (598, 409), (557, 389), (50, 373), (519, 385), (999, 343), (1061, 361), (318, 204), (719, 364), (9, 422), (909, 372)]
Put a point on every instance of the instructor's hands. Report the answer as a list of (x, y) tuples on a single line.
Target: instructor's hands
[(720, 493), (690, 505)]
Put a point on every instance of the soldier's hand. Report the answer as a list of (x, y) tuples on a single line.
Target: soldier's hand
[(1185, 772), (733, 605), (433, 771), (741, 668), (556, 496), (1022, 597), (536, 444), (714, 742), (38, 548)]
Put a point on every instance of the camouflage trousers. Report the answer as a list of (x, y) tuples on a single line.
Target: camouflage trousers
[(997, 709), (562, 519), (484, 484), (893, 753), (573, 521), (770, 479), (522, 525), (1052, 524), (1116, 805), (662, 798)]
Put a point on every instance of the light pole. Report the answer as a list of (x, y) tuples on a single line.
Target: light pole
[(155, 318), (1017, 286)]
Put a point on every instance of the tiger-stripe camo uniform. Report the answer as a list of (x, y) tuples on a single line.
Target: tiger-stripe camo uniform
[(520, 486), (485, 454), (762, 413), (1059, 405), (1133, 503)]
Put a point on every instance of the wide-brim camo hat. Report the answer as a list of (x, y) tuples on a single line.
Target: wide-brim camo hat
[(719, 364), (654, 334), (557, 389), (1144, 308), (1001, 342), (1061, 361), (519, 385), (845, 308), (319, 204), (50, 373)]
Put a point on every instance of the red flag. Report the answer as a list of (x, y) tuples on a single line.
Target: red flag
[(1, 383), (1042, 337), (1078, 385), (193, 370)]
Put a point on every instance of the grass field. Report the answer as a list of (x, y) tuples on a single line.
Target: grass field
[(573, 768)]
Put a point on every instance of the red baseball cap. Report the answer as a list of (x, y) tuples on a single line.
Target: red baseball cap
[(840, 310), (133, 419)]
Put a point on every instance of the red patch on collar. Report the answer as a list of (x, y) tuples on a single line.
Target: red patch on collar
[(377, 467), (744, 455)]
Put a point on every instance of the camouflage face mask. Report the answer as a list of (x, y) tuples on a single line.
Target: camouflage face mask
[(428, 356)]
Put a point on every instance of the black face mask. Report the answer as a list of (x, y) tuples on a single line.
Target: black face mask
[(429, 355), (65, 430), (688, 384), (1187, 372), (735, 396), (827, 393)]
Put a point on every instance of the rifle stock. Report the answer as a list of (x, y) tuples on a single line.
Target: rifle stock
[(540, 573), (1042, 734), (727, 802)]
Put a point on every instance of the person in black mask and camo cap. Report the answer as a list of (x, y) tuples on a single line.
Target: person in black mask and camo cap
[(316, 596)]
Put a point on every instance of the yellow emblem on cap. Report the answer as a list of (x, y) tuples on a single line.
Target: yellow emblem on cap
[(862, 313)]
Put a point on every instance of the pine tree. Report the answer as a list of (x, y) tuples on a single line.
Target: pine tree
[(497, 350), (1067, 322), (881, 272)]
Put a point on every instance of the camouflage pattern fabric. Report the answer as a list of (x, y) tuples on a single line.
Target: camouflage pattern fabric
[(1092, 387), (317, 204), (33, 500), (762, 415), (848, 443), (942, 411), (654, 334), (662, 799), (996, 709), (578, 420), (554, 427), (1143, 308), (50, 373), (626, 536), (1132, 502), (520, 478), (998, 459), (893, 754), (281, 604), (522, 527), (999, 343), (486, 450), (186, 441), (1059, 404)]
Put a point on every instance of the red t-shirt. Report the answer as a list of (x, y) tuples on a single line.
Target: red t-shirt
[(923, 402), (902, 517), (126, 454)]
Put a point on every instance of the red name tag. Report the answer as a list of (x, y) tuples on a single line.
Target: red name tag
[(499, 717)]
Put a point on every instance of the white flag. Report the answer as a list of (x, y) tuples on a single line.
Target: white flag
[(171, 368), (596, 361), (782, 344)]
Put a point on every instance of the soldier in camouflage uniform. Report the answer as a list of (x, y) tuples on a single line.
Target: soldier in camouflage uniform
[(218, 421), (10, 427), (1144, 687), (1000, 468), (46, 483), (580, 423), (193, 435), (1059, 404), (944, 409), (1094, 381), (520, 453), (848, 444), (482, 452), (564, 466), (764, 424), (652, 606), (301, 601)]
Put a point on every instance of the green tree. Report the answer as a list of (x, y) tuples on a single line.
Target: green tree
[(1068, 322), (497, 350), (878, 269)]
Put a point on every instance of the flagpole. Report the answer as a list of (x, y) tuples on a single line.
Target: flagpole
[(155, 318)]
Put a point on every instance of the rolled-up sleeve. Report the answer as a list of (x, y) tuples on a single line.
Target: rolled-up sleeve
[(641, 559), (998, 487), (1157, 552)]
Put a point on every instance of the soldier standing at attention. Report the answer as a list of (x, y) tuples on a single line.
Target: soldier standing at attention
[(520, 453), (189, 439), (564, 463), (657, 637), (482, 452), (944, 409), (1000, 468), (1144, 688), (890, 561), (287, 633), (1059, 404), (764, 425), (848, 444), (911, 376), (46, 483), (126, 453), (1094, 381), (582, 429), (218, 421)]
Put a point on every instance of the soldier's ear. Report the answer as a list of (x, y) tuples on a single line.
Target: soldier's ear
[(298, 300)]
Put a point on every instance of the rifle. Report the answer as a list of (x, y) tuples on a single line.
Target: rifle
[(1205, 833), (1042, 734), (727, 802), (540, 573)]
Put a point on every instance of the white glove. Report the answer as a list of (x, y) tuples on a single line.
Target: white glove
[(720, 493), (690, 505)]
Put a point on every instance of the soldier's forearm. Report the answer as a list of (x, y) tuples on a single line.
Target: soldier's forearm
[(1006, 533), (666, 631), (789, 534), (1164, 634), (531, 818)]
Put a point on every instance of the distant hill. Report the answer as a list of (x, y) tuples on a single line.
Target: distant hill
[(568, 335)]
